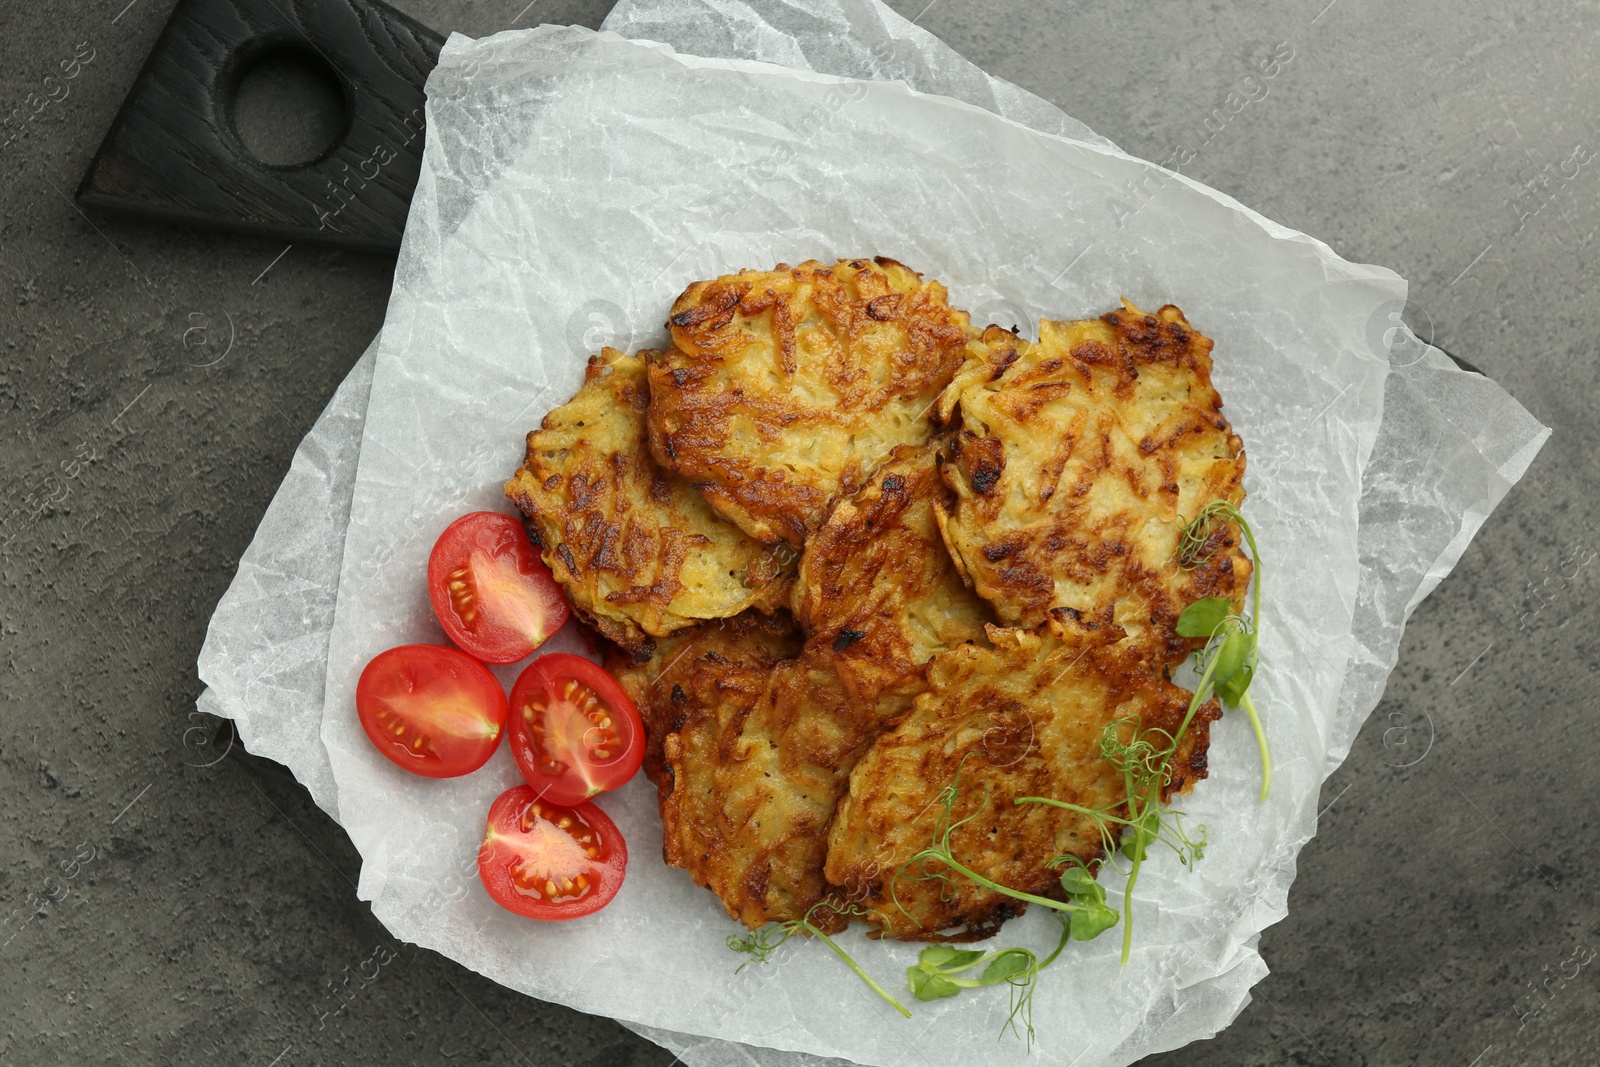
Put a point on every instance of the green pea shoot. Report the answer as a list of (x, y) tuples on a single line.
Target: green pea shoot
[(760, 945)]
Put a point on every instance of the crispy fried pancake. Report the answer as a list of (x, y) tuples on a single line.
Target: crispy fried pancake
[(755, 776), (749, 742), (785, 388), (637, 550), (758, 766), (1022, 719), (875, 583), (1076, 462), (660, 685), (801, 759)]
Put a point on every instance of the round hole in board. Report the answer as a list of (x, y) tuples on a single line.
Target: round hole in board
[(289, 107)]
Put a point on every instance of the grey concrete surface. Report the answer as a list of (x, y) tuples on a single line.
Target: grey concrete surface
[(157, 911)]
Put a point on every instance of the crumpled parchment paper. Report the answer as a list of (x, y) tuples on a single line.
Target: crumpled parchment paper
[(514, 154)]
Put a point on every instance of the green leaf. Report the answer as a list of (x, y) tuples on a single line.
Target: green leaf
[(946, 958), (1008, 965), (1202, 618), (1231, 656), (1078, 882), (926, 985), (1232, 691), (1092, 917), (1089, 923)]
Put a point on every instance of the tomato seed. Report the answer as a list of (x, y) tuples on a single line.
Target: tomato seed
[(463, 594), (519, 875)]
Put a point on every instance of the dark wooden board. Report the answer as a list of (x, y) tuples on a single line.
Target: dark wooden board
[(172, 152)]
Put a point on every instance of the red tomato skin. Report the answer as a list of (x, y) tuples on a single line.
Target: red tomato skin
[(501, 534), (541, 677), (444, 660), (505, 815)]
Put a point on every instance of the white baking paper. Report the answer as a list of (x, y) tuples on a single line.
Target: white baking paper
[(1434, 500), (564, 166), (847, 38), (266, 647), (266, 652)]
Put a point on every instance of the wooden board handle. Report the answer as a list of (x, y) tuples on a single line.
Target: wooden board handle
[(172, 152)]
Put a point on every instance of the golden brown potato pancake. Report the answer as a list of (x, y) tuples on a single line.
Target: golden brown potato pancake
[(875, 583), (787, 452), (1024, 718), (660, 684), (749, 741), (756, 753), (758, 766), (1075, 465), (639, 552), (786, 388)]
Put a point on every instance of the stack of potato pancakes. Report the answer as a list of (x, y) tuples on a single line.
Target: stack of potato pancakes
[(847, 545)]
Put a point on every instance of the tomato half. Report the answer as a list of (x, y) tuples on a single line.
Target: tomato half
[(574, 732), (547, 861), (433, 710), (491, 592)]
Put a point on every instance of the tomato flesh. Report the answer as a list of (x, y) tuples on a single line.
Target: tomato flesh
[(574, 732), (493, 595), (550, 861), (433, 710)]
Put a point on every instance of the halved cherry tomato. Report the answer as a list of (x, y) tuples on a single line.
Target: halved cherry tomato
[(574, 732), (433, 710), (547, 861), (493, 595)]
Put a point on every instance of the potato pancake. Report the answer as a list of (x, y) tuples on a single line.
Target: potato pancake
[(1076, 462), (875, 583), (749, 741), (757, 764), (660, 684), (1025, 718), (785, 388), (638, 551), (871, 573), (757, 767)]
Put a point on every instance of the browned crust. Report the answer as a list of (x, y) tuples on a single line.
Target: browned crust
[(1076, 461), (758, 753), (663, 684), (638, 552), (758, 765), (875, 583), (798, 760), (1023, 719), (785, 388)]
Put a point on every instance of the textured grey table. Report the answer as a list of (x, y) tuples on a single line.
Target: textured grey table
[(156, 910)]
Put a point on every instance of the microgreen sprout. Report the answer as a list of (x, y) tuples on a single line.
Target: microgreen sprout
[(1086, 902), (1144, 759), (1234, 641), (937, 973), (1093, 916), (761, 944), (1227, 666)]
